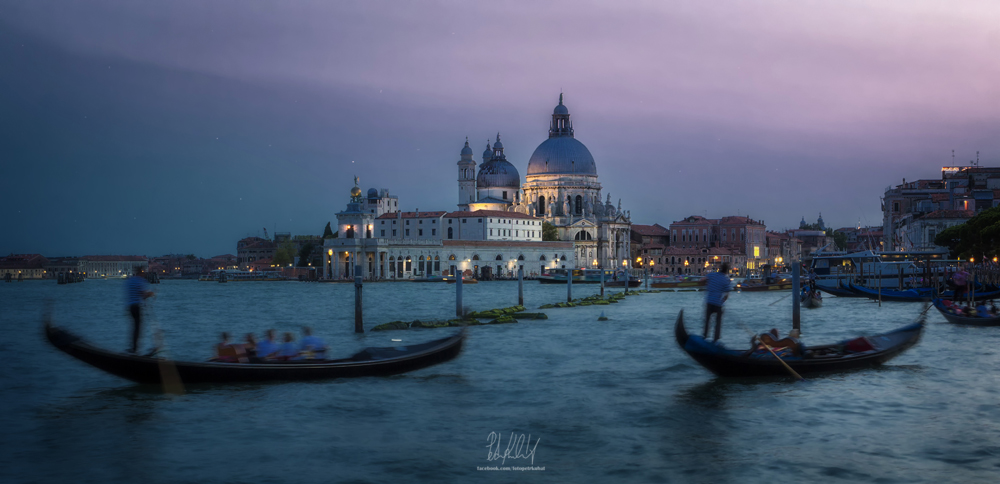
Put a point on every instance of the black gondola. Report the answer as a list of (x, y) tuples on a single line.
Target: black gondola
[(368, 362), (922, 294), (849, 354), (966, 320)]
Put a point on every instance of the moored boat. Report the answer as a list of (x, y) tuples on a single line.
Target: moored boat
[(812, 300), (860, 352), (677, 284), (465, 280), (590, 276), (750, 285), (373, 361), (430, 279), (920, 294)]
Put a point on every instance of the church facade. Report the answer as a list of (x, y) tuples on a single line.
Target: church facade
[(561, 187)]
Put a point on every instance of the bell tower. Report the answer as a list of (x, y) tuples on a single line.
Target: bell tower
[(466, 178)]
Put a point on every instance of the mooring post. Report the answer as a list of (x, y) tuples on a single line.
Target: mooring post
[(520, 286), (646, 277), (569, 285), (359, 326), (602, 282), (458, 294), (796, 296)]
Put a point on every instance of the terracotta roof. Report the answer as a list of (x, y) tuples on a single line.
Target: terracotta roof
[(694, 219), (939, 197), (651, 230), (741, 220), (23, 261), (950, 214), (412, 214), (490, 213)]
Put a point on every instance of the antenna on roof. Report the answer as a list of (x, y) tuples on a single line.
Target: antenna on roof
[(952, 157), (977, 158)]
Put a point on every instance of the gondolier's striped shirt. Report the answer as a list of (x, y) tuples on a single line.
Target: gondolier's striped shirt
[(718, 285)]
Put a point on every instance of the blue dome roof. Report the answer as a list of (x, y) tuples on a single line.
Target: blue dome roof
[(372, 193), (466, 151), (560, 109), (498, 174), (562, 154)]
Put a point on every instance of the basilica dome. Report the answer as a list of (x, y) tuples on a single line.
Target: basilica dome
[(561, 154), (498, 174)]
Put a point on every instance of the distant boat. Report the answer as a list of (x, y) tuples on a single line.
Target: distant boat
[(812, 300), (229, 275), (430, 279), (465, 280), (679, 283), (590, 276)]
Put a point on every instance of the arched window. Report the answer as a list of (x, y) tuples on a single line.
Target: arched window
[(563, 257), (475, 257), (499, 257), (520, 257), (579, 205), (450, 233), (541, 205), (542, 257), (451, 257), (350, 232)]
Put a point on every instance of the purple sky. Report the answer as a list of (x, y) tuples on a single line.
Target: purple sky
[(182, 126)]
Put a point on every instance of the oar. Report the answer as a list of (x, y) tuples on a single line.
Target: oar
[(169, 377), (789, 368), (779, 300)]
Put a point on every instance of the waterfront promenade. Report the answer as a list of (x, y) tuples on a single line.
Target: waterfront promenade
[(612, 401)]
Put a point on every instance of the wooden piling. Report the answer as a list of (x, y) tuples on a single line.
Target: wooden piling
[(796, 296), (359, 326), (569, 285), (602, 282), (520, 286), (458, 293)]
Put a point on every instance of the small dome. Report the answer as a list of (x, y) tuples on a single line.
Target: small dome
[(563, 155), (498, 145), (488, 153), (498, 174), (466, 151), (372, 193), (560, 109), (355, 192)]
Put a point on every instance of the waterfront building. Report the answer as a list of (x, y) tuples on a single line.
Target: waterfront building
[(112, 265), (697, 260), (61, 265), (862, 238), (648, 243), (743, 236), (812, 241), (23, 266), (403, 245), (252, 249), (907, 221)]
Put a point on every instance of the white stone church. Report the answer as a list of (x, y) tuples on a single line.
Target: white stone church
[(498, 226)]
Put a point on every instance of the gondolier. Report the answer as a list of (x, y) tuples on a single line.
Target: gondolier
[(136, 291), (718, 288)]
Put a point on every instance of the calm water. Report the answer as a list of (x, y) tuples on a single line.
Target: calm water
[(610, 401)]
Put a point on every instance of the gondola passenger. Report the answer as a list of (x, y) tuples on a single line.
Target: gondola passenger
[(311, 344), (289, 350), (267, 348)]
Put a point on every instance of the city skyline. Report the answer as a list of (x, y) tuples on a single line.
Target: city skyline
[(182, 128)]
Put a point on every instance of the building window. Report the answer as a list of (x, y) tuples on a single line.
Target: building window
[(464, 220), (407, 222), (480, 220), (420, 232), (383, 233), (505, 195), (407, 232), (434, 231), (449, 232), (393, 232)]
